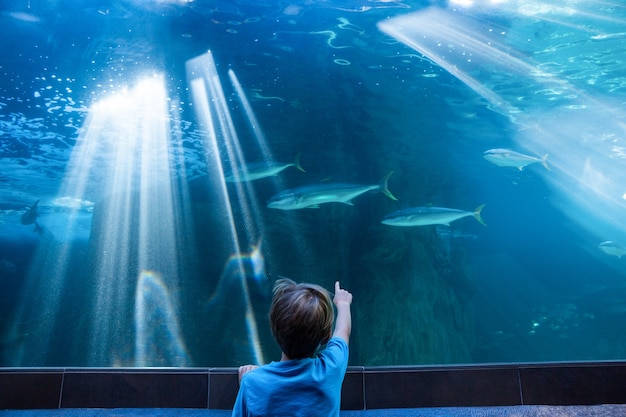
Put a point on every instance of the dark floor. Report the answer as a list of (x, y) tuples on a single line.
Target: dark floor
[(510, 390), (514, 411)]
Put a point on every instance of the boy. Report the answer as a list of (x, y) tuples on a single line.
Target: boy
[(302, 383)]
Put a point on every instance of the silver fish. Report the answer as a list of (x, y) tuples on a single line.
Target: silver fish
[(311, 196), (509, 158), (424, 216), (255, 171), (611, 248), (30, 216)]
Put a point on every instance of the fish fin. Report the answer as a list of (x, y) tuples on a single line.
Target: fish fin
[(297, 162), (477, 214), (544, 162), (384, 187)]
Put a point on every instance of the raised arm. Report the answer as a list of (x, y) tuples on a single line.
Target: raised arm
[(343, 321)]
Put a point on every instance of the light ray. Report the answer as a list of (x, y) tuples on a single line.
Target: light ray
[(238, 162), (214, 115), (468, 50), (583, 133), (246, 194), (123, 162), (565, 16)]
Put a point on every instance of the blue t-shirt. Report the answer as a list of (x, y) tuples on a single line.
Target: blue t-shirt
[(300, 387)]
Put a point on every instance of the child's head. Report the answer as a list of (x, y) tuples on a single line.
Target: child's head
[(302, 318)]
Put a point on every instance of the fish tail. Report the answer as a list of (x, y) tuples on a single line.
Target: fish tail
[(297, 162), (477, 214), (544, 162), (384, 186)]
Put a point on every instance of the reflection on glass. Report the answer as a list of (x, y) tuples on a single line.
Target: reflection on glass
[(158, 338)]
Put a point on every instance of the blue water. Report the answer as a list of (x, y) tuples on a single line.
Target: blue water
[(121, 117)]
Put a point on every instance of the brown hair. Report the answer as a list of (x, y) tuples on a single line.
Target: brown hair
[(301, 317)]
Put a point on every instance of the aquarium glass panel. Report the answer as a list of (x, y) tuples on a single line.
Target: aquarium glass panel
[(459, 166)]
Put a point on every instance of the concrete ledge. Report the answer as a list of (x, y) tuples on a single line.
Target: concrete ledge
[(364, 388)]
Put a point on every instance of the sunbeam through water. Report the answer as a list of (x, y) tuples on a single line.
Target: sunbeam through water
[(123, 160)]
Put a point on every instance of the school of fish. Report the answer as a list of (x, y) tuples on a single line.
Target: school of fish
[(313, 195)]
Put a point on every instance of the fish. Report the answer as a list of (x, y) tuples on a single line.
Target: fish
[(24, 17), (611, 248), (30, 216), (258, 170), (311, 196), (424, 216), (43, 231), (509, 158)]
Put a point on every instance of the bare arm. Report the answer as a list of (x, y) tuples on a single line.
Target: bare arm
[(343, 322), (244, 370)]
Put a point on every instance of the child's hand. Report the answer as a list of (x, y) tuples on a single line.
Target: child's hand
[(245, 369), (341, 295)]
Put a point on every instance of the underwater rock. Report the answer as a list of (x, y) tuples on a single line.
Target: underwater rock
[(414, 315)]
